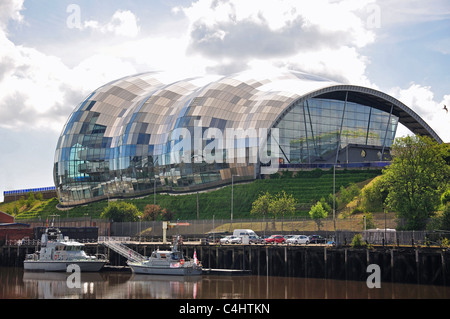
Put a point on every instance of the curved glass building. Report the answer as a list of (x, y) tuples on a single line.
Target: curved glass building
[(143, 134)]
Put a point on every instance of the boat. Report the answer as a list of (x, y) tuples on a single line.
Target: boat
[(167, 262), (58, 252)]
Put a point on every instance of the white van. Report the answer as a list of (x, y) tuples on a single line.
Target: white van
[(245, 234)]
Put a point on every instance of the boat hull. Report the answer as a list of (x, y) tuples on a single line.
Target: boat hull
[(85, 266), (152, 270)]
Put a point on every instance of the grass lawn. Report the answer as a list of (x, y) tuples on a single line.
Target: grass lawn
[(307, 187)]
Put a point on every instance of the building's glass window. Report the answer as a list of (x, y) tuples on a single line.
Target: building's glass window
[(315, 129)]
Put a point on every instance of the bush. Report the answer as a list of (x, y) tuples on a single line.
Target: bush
[(358, 242), (347, 194), (151, 212), (357, 210), (445, 219), (121, 212), (30, 199), (374, 195), (445, 198)]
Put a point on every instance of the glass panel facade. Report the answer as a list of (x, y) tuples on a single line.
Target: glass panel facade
[(137, 134), (313, 130)]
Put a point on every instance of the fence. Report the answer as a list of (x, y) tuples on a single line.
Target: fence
[(102, 224), (345, 228), (261, 226)]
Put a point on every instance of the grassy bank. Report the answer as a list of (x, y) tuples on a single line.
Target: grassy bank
[(307, 187)]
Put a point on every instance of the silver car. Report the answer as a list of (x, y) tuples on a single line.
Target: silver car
[(298, 239), (231, 240)]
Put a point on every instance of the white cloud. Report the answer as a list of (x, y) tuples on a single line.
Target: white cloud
[(10, 10), (321, 36), (422, 101), (400, 12), (39, 91), (122, 23)]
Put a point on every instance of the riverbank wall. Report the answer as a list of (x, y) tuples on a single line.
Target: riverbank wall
[(414, 265)]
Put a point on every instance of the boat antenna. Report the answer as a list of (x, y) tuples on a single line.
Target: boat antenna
[(53, 219)]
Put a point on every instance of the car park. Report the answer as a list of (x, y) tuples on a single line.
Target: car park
[(275, 239), (231, 240), (317, 239), (298, 239)]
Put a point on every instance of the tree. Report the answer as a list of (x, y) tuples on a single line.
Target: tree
[(282, 205), (121, 212), (261, 205), (30, 199), (167, 214), (349, 193), (445, 218), (317, 213), (327, 203), (415, 179), (151, 212), (374, 195), (445, 198)]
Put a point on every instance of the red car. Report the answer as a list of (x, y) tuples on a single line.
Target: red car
[(275, 239)]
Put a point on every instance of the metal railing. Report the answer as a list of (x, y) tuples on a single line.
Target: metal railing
[(121, 249)]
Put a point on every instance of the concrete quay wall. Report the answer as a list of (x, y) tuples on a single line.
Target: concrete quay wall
[(416, 265)]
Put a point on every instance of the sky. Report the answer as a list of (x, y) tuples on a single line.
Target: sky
[(54, 53)]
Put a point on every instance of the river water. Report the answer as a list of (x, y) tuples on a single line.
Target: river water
[(17, 284)]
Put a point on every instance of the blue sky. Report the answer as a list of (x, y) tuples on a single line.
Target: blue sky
[(54, 53)]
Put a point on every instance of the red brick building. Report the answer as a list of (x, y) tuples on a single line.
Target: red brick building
[(9, 230), (6, 218)]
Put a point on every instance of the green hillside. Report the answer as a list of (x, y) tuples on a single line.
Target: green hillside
[(306, 186)]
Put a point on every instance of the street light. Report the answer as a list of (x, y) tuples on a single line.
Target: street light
[(154, 181), (334, 199), (198, 206), (232, 195), (140, 228)]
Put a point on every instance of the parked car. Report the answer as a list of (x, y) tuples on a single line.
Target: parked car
[(214, 237), (255, 240), (298, 239), (231, 240), (316, 239), (275, 239)]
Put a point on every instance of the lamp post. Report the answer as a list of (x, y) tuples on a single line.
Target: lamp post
[(232, 199), (334, 202), (198, 209), (334, 199), (140, 228), (154, 181), (198, 205), (154, 190)]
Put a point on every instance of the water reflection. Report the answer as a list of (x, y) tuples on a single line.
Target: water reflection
[(15, 283), (164, 287), (54, 285)]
